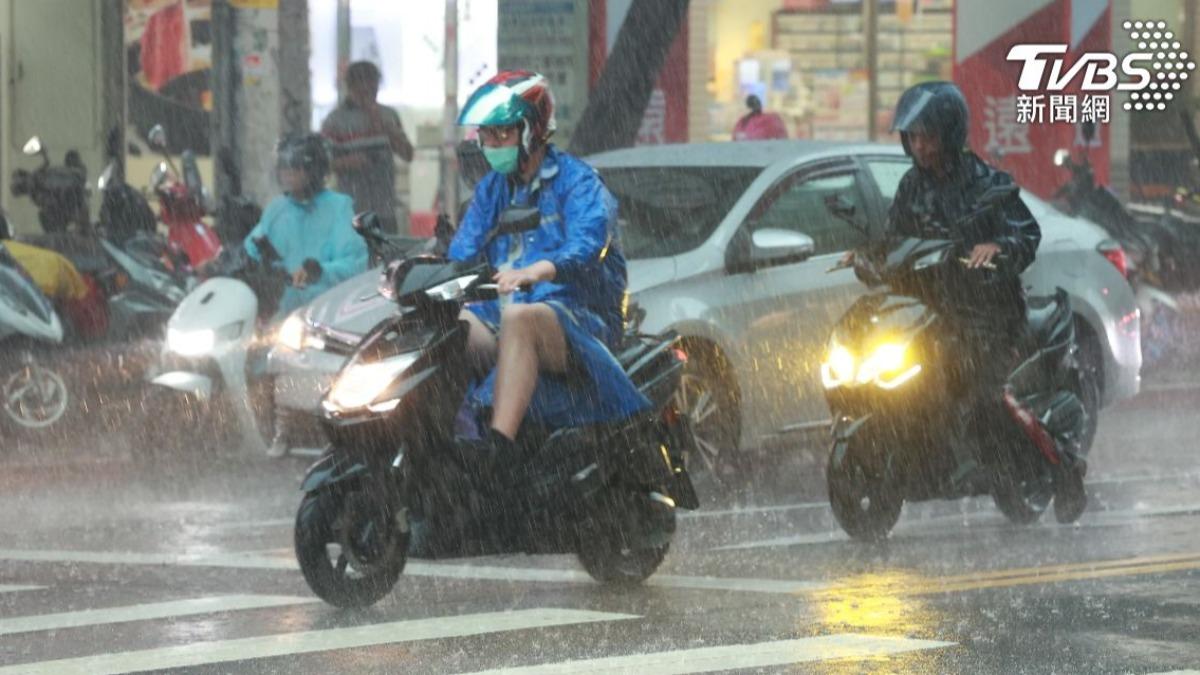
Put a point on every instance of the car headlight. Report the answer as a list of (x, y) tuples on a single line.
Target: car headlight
[(888, 366), (360, 384), (191, 343), (291, 334)]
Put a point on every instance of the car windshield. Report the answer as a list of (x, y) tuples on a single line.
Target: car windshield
[(666, 211)]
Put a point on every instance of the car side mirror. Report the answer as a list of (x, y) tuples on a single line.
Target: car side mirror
[(774, 246)]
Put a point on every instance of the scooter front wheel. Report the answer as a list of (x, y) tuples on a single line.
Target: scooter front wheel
[(349, 546), (863, 503)]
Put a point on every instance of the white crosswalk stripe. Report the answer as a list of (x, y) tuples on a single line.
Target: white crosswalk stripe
[(144, 612), (415, 569), (285, 644), (11, 588), (731, 657)]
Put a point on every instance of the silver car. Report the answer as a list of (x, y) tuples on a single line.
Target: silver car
[(730, 245)]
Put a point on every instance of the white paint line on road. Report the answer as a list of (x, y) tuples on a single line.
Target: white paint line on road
[(753, 510), (257, 524), (156, 610), (1170, 386), (12, 588), (244, 649), (414, 568), (735, 657), (797, 540)]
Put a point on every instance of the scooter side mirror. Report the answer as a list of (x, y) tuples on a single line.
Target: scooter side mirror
[(106, 176), (1062, 157), (159, 175), (33, 146), (157, 136)]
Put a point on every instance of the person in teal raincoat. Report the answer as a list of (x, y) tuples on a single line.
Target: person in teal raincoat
[(309, 225)]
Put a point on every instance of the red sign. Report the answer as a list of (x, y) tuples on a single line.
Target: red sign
[(1017, 131)]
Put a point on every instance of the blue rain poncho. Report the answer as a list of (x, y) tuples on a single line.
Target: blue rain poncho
[(578, 233)]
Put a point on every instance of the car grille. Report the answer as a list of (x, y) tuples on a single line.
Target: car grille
[(337, 342)]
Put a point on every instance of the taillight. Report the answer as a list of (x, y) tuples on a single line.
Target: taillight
[(1115, 255)]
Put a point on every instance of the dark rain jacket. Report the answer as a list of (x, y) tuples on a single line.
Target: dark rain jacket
[(933, 207)]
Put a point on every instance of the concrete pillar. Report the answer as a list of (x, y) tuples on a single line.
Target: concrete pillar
[(260, 89), (293, 67)]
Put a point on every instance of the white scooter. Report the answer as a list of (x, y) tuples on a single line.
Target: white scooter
[(33, 397), (211, 338)]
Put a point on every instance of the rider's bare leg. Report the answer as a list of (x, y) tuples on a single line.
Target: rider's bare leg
[(481, 344), (531, 341)]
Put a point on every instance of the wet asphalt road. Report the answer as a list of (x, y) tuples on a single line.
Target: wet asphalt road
[(106, 566)]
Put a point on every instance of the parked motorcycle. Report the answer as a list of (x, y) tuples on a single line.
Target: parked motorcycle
[(392, 484), (1145, 251), (33, 395), (183, 201), (123, 257), (211, 351), (899, 432)]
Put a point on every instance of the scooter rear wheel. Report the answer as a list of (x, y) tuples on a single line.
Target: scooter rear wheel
[(348, 547)]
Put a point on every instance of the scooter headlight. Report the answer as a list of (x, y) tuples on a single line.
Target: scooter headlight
[(838, 367), (888, 366), (451, 289), (361, 383), (191, 343)]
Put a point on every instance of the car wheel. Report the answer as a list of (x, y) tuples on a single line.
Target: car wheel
[(709, 399)]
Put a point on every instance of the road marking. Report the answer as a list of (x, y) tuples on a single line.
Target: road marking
[(13, 588), (414, 568), (909, 584), (798, 540), (1170, 386), (752, 510), (156, 610), (735, 657), (257, 524), (244, 649)]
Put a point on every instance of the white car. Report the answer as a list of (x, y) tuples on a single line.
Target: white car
[(729, 245)]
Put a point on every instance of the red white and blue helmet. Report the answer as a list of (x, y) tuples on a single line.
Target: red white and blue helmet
[(510, 98)]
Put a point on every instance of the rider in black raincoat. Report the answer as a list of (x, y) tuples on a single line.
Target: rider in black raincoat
[(944, 185)]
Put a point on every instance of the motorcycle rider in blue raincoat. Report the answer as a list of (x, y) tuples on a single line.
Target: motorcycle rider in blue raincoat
[(312, 229), (309, 225), (545, 345)]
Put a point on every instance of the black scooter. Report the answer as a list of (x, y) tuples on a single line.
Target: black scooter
[(394, 484), (899, 434)]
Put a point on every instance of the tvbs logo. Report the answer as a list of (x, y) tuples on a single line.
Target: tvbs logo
[(1153, 73)]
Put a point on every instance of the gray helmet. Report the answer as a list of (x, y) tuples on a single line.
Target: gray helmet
[(309, 152), (933, 107)]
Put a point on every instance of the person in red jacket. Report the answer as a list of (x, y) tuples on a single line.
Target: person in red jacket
[(757, 125)]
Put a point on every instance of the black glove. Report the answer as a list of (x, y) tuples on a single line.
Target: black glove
[(312, 270)]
